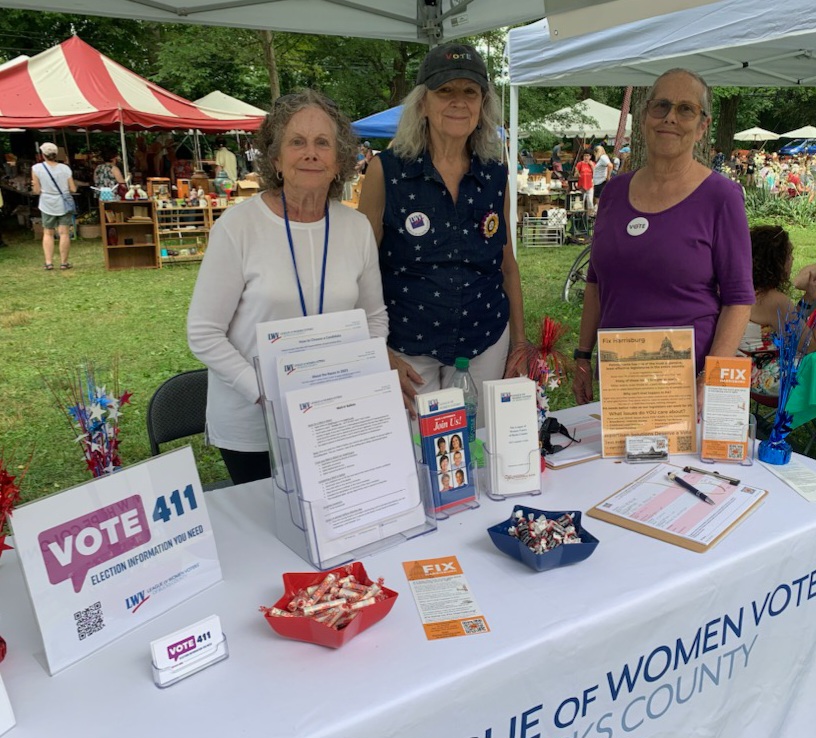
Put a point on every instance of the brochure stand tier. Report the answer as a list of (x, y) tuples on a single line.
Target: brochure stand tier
[(496, 469), (297, 520)]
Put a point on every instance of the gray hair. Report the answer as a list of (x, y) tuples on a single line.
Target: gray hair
[(269, 138), (705, 98), (412, 133)]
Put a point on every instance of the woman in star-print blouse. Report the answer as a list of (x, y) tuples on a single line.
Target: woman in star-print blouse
[(437, 201)]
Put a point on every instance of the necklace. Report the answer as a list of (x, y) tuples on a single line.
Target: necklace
[(294, 261)]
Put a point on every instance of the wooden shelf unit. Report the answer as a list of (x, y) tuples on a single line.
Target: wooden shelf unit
[(118, 227), (183, 230)]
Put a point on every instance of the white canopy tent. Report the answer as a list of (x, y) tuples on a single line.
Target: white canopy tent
[(803, 132), (586, 119), (744, 43), (426, 21), (755, 134), (218, 100)]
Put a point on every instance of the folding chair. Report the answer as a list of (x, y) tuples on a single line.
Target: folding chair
[(178, 410)]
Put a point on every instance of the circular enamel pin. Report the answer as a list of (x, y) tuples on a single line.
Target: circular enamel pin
[(417, 224), (637, 226), (490, 224)]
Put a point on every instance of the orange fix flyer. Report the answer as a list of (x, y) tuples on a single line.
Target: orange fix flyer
[(443, 597), (725, 408)]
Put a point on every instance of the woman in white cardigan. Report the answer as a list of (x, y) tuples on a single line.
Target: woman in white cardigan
[(291, 251)]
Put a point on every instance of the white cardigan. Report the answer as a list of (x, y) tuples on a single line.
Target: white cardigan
[(247, 278)]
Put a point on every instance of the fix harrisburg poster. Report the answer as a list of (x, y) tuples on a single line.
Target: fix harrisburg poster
[(102, 558)]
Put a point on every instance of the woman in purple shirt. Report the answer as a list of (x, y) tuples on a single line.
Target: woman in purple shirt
[(671, 245)]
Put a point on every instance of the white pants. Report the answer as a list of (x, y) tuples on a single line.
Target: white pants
[(487, 365), (589, 200)]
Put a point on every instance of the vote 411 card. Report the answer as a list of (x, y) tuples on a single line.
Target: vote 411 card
[(187, 651)]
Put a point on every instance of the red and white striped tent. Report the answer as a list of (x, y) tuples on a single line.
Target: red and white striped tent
[(73, 85)]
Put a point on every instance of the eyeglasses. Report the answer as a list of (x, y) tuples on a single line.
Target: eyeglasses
[(685, 110)]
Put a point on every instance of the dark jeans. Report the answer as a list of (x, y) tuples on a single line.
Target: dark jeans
[(246, 466)]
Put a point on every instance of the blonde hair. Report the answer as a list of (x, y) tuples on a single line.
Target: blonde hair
[(411, 138)]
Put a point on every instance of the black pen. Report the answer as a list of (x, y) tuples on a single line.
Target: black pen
[(691, 488)]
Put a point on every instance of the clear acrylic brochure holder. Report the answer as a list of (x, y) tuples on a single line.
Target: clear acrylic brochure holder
[(295, 517), (748, 459), (496, 468)]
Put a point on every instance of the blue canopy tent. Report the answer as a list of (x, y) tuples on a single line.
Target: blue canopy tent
[(379, 125), (384, 124)]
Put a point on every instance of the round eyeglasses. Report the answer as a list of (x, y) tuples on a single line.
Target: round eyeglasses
[(660, 108)]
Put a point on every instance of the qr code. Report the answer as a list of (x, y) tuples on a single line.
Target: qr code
[(735, 451), (683, 443), (472, 627), (89, 621)]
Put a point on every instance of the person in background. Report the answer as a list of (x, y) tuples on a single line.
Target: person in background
[(264, 262), (602, 172), (616, 164), (772, 257), (671, 244), (555, 161), (437, 201), (585, 169), (718, 162), (108, 173), (750, 169), (51, 181), (225, 159)]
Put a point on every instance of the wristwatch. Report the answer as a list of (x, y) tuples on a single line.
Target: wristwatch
[(579, 354)]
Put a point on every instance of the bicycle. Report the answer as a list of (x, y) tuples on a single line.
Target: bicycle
[(575, 283)]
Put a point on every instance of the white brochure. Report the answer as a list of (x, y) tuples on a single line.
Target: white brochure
[(103, 558), (512, 432), (6, 713), (355, 461), (284, 337), (329, 364)]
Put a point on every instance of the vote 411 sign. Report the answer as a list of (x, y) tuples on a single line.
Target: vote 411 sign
[(102, 558)]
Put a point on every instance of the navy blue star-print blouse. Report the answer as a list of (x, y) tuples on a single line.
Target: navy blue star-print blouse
[(441, 271)]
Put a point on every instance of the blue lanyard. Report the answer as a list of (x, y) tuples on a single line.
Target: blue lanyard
[(294, 261)]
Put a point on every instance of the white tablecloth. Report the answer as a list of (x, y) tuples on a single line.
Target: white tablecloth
[(642, 639)]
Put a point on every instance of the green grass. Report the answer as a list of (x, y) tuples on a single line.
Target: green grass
[(52, 321)]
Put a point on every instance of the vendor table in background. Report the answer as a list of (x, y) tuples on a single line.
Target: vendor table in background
[(642, 639)]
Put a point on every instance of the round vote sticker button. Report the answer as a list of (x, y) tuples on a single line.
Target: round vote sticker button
[(637, 226)]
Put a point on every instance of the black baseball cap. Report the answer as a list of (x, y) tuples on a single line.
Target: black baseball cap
[(452, 61)]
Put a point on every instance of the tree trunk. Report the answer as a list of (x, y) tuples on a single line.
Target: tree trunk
[(268, 43), (637, 157), (727, 123), (399, 82)]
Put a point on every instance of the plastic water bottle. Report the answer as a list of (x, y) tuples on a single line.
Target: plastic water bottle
[(464, 381)]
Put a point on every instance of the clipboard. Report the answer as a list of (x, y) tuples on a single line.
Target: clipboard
[(655, 506)]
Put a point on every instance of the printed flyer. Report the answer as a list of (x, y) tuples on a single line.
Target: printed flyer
[(443, 597), (648, 387), (726, 408), (102, 558)]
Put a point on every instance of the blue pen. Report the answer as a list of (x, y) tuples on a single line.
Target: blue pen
[(691, 488)]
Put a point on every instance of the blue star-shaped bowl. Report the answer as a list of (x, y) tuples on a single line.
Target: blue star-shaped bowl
[(563, 555)]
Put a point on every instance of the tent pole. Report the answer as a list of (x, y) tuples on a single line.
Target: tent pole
[(124, 148), (65, 146), (196, 150), (512, 167)]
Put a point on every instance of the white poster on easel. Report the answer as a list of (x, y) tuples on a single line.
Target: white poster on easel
[(102, 558), (6, 713)]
